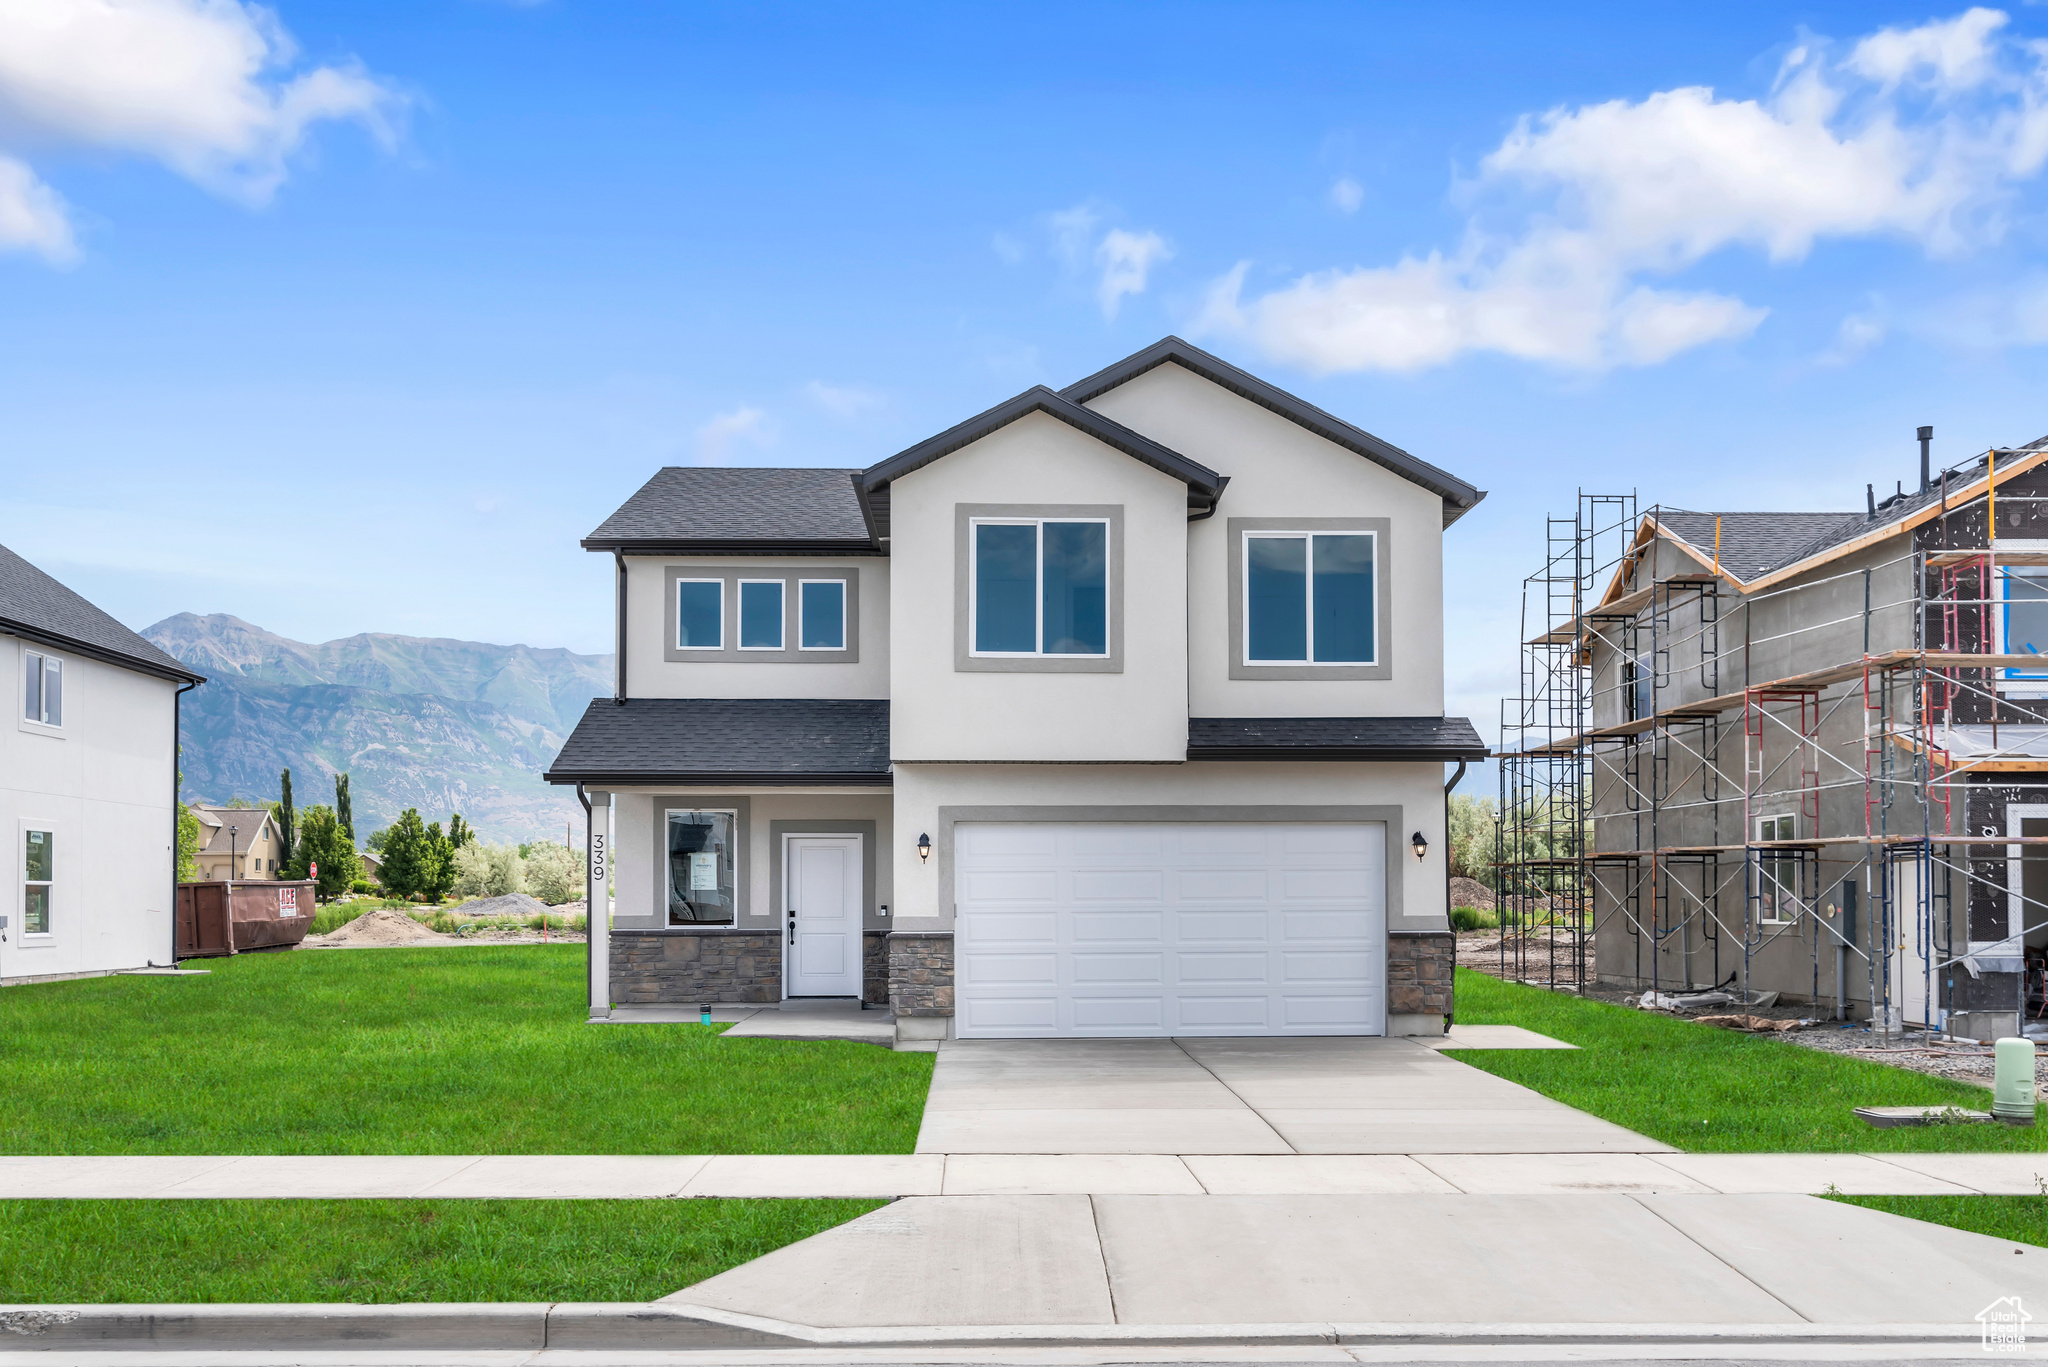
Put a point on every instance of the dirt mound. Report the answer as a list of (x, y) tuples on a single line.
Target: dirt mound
[(380, 927), (1470, 892), (511, 904)]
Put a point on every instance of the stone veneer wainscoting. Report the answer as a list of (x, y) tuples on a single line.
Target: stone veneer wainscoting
[(1419, 973), (691, 967)]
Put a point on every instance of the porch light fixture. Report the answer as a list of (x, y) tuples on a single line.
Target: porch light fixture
[(1419, 844), (924, 848)]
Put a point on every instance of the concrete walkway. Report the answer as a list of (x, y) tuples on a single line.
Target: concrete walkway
[(1530, 1260), (625, 1176), (802, 1019), (1344, 1095)]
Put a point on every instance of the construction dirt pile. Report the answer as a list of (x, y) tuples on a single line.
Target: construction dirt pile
[(379, 928), (1470, 892)]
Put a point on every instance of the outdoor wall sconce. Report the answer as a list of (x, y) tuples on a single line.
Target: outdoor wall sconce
[(924, 848), (1419, 844)]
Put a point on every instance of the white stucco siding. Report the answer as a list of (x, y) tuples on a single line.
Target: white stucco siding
[(636, 857), (649, 634), (101, 784), (939, 712), (1279, 469), (1244, 792)]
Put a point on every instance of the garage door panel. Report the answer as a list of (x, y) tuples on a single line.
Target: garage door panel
[(1150, 929)]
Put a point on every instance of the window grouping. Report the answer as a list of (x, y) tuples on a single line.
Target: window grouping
[(43, 688), (1040, 587), (1309, 598), (762, 613)]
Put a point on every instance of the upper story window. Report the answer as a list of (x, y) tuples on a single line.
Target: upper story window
[(700, 614), (1309, 598), (1040, 586), (2025, 619), (755, 614), (43, 688)]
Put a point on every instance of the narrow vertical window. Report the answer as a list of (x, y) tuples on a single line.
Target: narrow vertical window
[(1276, 598), (32, 684), (1006, 588), (1075, 592), (39, 879), (700, 614), (760, 614), (822, 614), (53, 691)]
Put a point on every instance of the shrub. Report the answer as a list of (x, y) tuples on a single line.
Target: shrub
[(333, 916), (554, 873), (362, 887), (1472, 918), (489, 870)]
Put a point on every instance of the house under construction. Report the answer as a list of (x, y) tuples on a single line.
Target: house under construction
[(1803, 753)]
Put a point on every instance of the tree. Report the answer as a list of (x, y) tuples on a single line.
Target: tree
[(554, 873), (440, 864), (374, 843), (344, 814), (287, 819), (408, 867), (322, 843), (460, 832), (1472, 831), (489, 870), (189, 833)]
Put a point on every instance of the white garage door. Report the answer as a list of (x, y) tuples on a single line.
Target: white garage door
[(1144, 929)]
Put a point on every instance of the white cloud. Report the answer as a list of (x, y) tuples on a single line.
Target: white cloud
[(1601, 199), (32, 217), (207, 87), (1071, 230), (715, 439), (1347, 194), (843, 401), (1857, 334), (1126, 259)]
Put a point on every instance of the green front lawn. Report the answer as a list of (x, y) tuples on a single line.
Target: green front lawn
[(97, 1252), (1715, 1091), (2022, 1219), (401, 1051)]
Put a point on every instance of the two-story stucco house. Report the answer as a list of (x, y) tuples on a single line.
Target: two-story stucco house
[(1113, 711), (88, 784), (239, 843)]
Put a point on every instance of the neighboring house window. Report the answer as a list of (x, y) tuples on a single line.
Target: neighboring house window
[(1309, 598), (700, 614), (822, 610), (37, 881), (2026, 619), (43, 680), (1777, 871), (702, 877), (1040, 587), (760, 614), (1637, 677)]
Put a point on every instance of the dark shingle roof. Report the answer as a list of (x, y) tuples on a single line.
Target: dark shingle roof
[(728, 740), (1353, 738), (34, 605), (687, 508)]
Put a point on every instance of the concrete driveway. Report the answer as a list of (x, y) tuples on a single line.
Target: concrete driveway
[(1241, 1096)]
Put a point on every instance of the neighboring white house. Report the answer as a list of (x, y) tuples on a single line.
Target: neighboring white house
[(88, 784), (1116, 710)]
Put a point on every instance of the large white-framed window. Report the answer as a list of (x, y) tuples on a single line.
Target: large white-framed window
[(761, 614), (42, 680), (1038, 587), (38, 878), (2023, 622), (821, 614), (1777, 871), (700, 614), (703, 875), (1309, 598)]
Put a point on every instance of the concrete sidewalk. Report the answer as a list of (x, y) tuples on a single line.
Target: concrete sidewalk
[(628, 1176)]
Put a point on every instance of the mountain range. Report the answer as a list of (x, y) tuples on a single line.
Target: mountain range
[(436, 724)]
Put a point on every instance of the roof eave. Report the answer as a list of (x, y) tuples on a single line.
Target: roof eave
[(735, 546), (1353, 753), (865, 778), (71, 644)]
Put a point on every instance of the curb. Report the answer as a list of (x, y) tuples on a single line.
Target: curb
[(621, 1326)]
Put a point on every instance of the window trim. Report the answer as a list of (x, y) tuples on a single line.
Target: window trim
[(844, 594), (26, 938), (676, 613), (1237, 630), (966, 660), (1037, 524), (1759, 835), (45, 657), (781, 615)]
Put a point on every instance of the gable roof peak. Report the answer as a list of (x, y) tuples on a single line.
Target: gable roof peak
[(1458, 496)]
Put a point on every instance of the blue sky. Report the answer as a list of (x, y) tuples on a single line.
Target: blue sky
[(355, 317)]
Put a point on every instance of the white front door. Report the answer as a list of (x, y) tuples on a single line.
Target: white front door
[(822, 938), (1153, 929)]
